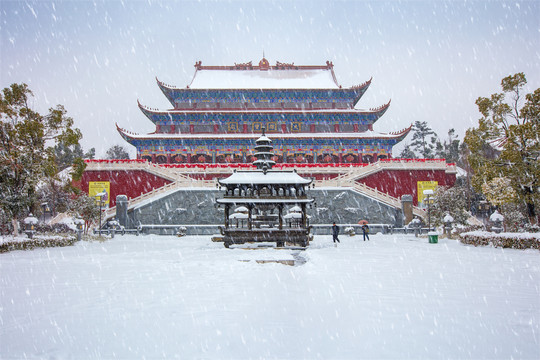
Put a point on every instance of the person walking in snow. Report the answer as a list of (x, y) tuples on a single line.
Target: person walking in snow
[(335, 232), (365, 231)]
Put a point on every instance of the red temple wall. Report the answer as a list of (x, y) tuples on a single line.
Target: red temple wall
[(393, 182), (124, 182), (404, 182)]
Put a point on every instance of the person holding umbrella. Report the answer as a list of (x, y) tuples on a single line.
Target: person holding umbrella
[(365, 229)]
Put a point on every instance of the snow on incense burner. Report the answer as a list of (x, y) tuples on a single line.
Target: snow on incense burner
[(267, 194)]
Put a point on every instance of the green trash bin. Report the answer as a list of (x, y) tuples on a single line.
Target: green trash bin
[(433, 237)]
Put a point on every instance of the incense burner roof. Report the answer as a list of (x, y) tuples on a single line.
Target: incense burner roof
[(258, 177)]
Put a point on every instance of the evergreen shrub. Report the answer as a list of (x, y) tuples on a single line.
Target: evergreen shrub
[(36, 242), (504, 240)]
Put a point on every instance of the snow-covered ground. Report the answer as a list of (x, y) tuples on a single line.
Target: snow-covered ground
[(395, 296)]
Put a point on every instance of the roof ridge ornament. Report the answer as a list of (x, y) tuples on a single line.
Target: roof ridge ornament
[(363, 85), (382, 107), (264, 64), (244, 66), (285, 66)]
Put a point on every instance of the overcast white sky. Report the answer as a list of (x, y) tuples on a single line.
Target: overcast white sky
[(432, 58)]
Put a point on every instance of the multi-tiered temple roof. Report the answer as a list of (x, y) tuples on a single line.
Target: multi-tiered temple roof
[(216, 117)]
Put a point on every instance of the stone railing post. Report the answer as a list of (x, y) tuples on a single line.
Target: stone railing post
[(407, 208)]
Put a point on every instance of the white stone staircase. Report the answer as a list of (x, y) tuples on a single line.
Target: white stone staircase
[(369, 192), (183, 182), (347, 178)]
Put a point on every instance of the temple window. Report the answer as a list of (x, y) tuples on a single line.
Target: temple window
[(181, 128), (324, 128), (293, 105), (203, 129), (271, 127), (296, 127)]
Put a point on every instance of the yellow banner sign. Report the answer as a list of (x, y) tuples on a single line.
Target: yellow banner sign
[(100, 187), (425, 185)]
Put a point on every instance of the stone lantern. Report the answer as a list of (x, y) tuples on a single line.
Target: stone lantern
[(29, 225), (113, 224), (448, 220), (416, 225), (79, 223), (496, 220)]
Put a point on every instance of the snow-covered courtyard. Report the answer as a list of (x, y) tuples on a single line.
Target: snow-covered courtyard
[(395, 296)]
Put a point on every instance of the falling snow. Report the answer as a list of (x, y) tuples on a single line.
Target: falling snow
[(433, 59)]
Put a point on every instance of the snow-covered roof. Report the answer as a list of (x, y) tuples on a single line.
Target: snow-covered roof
[(496, 216), (353, 135), (264, 138), (238, 216), (263, 79), (259, 177), (293, 215), (30, 219), (300, 111), (461, 172)]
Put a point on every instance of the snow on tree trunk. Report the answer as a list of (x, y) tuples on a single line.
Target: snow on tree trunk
[(15, 223)]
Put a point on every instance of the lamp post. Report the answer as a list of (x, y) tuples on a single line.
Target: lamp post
[(428, 193), (483, 209), (45, 209)]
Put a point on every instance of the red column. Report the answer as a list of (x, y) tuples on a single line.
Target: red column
[(312, 128), (355, 127), (245, 128), (154, 158), (191, 128), (336, 128), (283, 128), (340, 157), (216, 128), (168, 158), (173, 129)]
